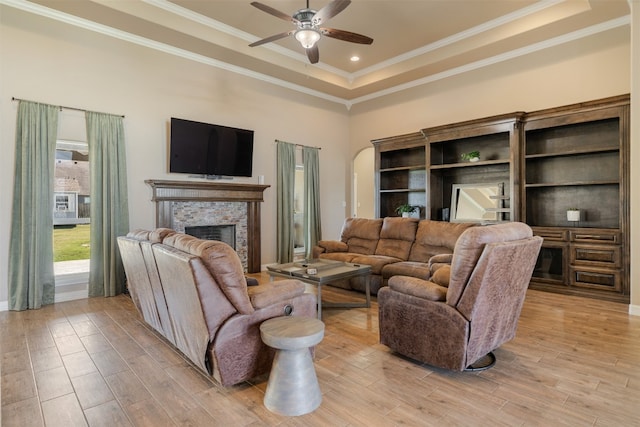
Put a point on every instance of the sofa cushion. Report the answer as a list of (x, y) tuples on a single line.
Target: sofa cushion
[(435, 237), (377, 262), (361, 234), (339, 256), (396, 237)]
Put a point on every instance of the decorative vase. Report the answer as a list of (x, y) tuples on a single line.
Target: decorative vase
[(573, 215)]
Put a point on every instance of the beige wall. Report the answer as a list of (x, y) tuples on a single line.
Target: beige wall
[(46, 61), (51, 62)]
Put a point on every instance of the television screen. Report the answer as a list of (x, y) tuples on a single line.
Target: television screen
[(208, 149)]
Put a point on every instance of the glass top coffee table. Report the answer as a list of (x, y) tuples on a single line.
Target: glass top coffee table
[(322, 271)]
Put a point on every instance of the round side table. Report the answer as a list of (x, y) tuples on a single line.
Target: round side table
[(293, 387)]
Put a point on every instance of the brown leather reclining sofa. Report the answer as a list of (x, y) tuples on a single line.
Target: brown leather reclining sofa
[(195, 294), (392, 246)]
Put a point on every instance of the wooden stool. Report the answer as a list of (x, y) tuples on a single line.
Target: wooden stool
[(293, 386)]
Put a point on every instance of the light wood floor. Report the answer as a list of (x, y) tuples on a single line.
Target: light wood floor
[(574, 362)]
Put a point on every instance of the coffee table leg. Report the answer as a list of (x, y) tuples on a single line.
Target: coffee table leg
[(367, 289), (319, 301)]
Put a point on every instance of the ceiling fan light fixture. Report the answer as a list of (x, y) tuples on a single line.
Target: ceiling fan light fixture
[(307, 37)]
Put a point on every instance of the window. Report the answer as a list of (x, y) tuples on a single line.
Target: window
[(71, 218)]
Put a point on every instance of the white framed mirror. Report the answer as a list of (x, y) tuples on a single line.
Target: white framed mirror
[(476, 202)]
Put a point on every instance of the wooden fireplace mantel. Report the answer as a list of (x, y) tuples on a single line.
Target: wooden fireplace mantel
[(166, 192)]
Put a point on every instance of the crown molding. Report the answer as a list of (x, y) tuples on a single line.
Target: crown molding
[(348, 103)]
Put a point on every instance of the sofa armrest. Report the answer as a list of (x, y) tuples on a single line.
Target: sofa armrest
[(333, 246), (273, 292), (440, 259), (418, 288)]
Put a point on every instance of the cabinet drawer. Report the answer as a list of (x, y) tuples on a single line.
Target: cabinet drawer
[(601, 255), (556, 235), (594, 278), (599, 236)]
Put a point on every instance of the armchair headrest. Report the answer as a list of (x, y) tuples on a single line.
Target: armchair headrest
[(470, 246)]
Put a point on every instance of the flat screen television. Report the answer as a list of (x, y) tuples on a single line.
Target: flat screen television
[(208, 149)]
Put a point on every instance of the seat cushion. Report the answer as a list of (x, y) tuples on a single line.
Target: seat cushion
[(377, 262), (339, 256)]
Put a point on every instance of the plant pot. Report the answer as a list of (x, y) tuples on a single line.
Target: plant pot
[(573, 216), (474, 159), (406, 214)]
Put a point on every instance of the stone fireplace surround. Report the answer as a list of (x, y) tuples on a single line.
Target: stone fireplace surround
[(169, 195)]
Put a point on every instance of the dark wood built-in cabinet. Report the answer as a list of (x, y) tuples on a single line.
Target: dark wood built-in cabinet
[(577, 157), (496, 138), (400, 164), (548, 161)]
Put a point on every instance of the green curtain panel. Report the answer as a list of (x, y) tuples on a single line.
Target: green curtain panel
[(311, 222), (109, 206), (31, 275), (286, 170)]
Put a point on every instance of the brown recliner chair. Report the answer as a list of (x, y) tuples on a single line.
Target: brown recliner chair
[(468, 309)]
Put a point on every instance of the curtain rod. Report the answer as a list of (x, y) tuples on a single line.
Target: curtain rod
[(67, 108), (297, 145)]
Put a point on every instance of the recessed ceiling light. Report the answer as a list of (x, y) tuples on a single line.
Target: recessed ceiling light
[(355, 58)]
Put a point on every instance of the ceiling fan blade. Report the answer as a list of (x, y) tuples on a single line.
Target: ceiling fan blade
[(272, 38), (313, 54), (346, 36), (329, 11), (274, 12)]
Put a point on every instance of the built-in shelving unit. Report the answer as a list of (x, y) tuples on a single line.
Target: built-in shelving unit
[(577, 157), (547, 162), (496, 138), (401, 173)]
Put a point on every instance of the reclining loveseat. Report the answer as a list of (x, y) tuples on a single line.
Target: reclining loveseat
[(194, 293)]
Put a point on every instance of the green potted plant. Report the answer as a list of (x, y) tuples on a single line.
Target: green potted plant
[(472, 156), (406, 210)]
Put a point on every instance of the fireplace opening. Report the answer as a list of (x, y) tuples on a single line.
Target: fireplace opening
[(223, 233)]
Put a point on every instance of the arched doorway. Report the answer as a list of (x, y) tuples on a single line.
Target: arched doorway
[(363, 184)]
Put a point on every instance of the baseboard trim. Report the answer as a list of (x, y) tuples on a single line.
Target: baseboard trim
[(634, 310), (71, 296)]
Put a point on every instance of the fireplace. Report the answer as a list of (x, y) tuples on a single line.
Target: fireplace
[(182, 204), (222, 233)]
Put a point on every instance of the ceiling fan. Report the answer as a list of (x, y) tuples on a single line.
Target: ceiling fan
[(308, 30)]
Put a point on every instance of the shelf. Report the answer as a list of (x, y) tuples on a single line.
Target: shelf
[(470, 164), (570, 184), (572, 152), (402, 190), (403, 168)]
